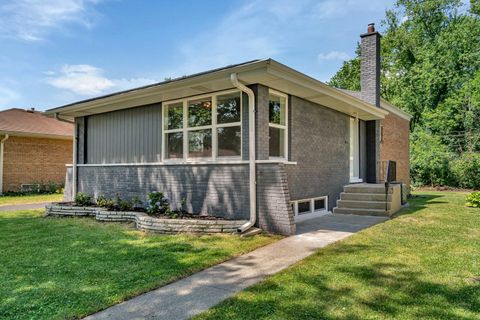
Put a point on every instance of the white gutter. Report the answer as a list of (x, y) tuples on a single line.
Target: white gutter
[(1, 162), (251, 152)]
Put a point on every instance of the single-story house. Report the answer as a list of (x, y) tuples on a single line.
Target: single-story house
[(256, 140), (34, 149)]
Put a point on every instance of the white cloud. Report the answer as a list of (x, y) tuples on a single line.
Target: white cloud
[(87, 80), (31, 20), (265, 28), (7, 97), (333, 55)]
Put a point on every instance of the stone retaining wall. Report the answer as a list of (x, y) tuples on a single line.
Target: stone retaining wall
[(147, 223)]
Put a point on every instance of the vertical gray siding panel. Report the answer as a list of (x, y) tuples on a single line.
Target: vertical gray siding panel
[(125, 136)]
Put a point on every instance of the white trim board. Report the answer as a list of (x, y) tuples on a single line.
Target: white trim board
[(182, 163)]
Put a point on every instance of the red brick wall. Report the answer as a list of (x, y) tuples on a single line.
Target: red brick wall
[(34, 160), (395, 145)]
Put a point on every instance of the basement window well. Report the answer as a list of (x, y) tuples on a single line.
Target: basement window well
[(309, 208)]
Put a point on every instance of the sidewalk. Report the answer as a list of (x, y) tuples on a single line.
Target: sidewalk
[(201, 291), (26, 206)]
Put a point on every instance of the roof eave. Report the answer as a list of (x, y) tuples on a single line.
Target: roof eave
[(37, 135), (363, 110)]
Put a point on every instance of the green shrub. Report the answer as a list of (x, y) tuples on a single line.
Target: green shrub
[(82, 199), (106, 203), (473, 200), (430, 161), (466, 169), (124, 205), (157, 203)]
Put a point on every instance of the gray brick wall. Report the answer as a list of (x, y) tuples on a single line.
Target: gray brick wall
[(261, 121), (220, 190), (320, 146), (273, 199)]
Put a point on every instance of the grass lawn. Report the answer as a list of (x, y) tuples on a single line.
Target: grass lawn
[(425, 264), (57, 268), (36, 198)]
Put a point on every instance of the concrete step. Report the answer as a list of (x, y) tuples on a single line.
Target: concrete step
[(366, 188), (355, 204), (364, 196), (362, 212)]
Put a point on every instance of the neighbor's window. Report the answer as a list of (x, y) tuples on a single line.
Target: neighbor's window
[(207, 127), (277, 126)]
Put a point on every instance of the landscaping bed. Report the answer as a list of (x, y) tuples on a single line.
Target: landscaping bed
[(160, 223)]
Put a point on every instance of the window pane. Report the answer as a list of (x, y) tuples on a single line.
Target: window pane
[(174, 145), (304, 207), (277, 142), (200, 112), (174, 116), (200, 143), (228, 108), (277, 109), (319, 204), (229, 141)]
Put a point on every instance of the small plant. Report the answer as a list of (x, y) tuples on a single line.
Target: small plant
[(473, 200), (124, 205), (136, 202), (157, 203), (82, 199), (104, 202)]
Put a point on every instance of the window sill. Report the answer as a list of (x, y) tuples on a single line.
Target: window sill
[(279, 160)]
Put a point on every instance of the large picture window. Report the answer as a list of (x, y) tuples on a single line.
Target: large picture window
[(277, 125), (205, 127)]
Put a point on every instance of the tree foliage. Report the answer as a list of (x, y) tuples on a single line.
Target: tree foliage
[(430, 67)]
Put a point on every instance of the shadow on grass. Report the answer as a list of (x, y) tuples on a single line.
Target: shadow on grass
[(418, 203), (380, 290)]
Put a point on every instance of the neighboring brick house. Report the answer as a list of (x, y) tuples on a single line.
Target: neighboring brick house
[(34, 149), (257, 141)]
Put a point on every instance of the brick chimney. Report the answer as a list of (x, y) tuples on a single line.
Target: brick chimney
[(370, 90), (370, 65)]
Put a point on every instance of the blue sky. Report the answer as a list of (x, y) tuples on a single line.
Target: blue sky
[(54, 52)]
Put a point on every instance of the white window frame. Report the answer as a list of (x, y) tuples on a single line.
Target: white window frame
[(279, 126), (214, 126), (312, 213), (354, 153)]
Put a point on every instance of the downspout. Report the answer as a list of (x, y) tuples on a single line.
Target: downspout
[(1, 161), (251, 153)]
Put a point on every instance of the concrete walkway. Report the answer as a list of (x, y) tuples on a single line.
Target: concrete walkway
[(201, 291), (26, 206)]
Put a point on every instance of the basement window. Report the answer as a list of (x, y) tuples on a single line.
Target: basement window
[(310, 207)]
